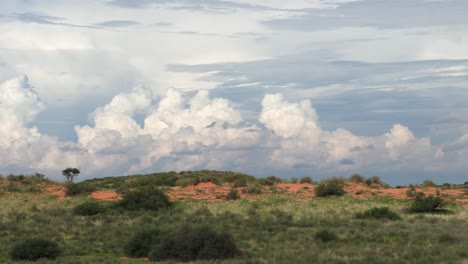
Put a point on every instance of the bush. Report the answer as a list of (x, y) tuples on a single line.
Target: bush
[(240, 183), (188, 243), (378, 213), (146, 198), (374, 181), (357, 178), (253, 189), (446, 186), (325, 236), (34, 249), (186, 182), (329, 187), (429, 183), (232, 195), (140, 244), (89, 208), (426, 204), (270, 181), (293, 180), (74, 189), (411, 192), (306, 179)]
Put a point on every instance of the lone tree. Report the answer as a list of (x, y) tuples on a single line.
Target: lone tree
[(70, 174)]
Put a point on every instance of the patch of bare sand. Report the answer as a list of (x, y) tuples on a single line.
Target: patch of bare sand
[(56, 190), (106, 196)]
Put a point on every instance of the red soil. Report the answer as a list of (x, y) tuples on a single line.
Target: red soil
[(106, 196), (56, 190), (208, 191)]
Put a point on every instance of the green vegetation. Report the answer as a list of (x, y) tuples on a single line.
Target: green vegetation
[(70, 174), (188, 243), (89, 208), (81, 188), (232, 195), (429, 183), (306, 179), (141, 243), (34, 249), (325, 236), (329, 187), (426, 204), (145, 198), (270, 228), (378, 213)]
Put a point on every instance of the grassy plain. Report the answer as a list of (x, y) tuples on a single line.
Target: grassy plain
[(274, 228)]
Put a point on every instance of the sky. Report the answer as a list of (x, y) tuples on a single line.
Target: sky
[(266, 87)]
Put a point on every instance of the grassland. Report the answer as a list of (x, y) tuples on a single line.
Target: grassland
[(273, 228)]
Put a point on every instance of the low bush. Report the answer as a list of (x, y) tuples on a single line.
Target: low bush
[(357, 178), (270, 181), (426, 204), (210, 178), (374, 181), (140, 244), (329, 187), (232, 195), (186, 182), (293, 180), (378, 213), (429, 183), (146, 198), (325, 236), (187, 243), (239, 183), (89, 208), (253, 189), (306, 179), (446, 186), (34, 249), (411, 192), (74, 189)]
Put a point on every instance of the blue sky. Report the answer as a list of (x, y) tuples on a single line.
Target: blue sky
[(267, 87)]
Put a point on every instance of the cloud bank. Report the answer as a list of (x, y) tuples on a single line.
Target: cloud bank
[(196, 131)]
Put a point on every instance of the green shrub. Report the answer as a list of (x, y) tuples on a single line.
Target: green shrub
[(270, 181), (211, 178), (34, 249), (374, 181), (140, 244), (186, 182), (325, 236), (357, 178), (89, 208), (187, 243), (282, 217), (426, 204), (294, 180), (306, 179), (253, 189), (146, 198), (15, 178), (74, 189), (13, 187), (239, 183), (329, 187), (411, 192), (232, 195), (429, 183), (378, 213), (446, 186)]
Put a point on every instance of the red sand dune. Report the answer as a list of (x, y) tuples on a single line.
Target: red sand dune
[(208, 191)]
